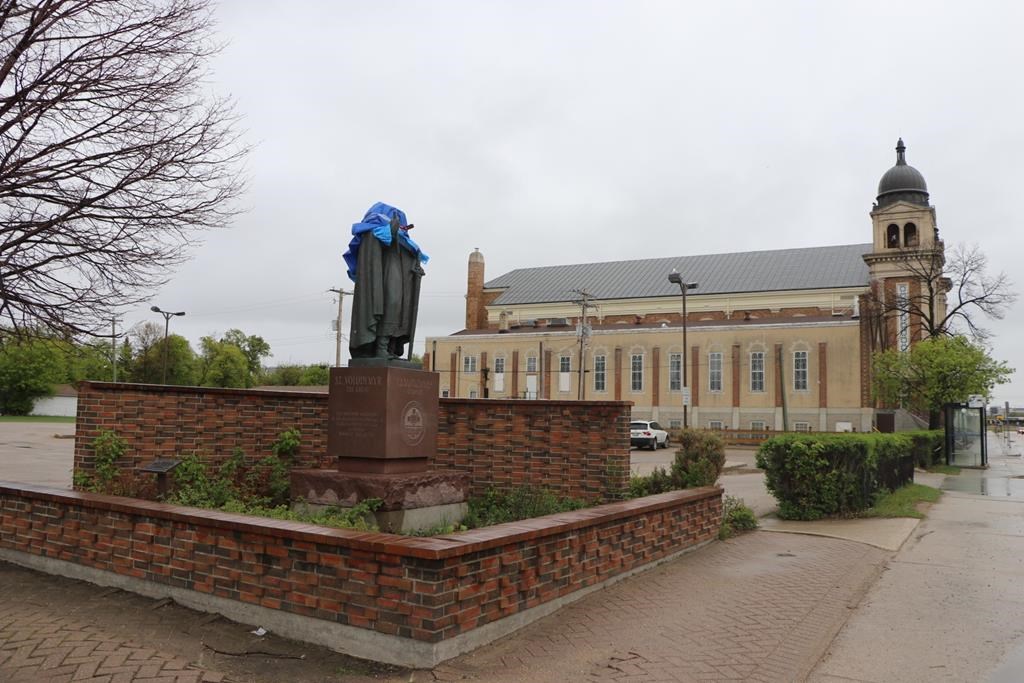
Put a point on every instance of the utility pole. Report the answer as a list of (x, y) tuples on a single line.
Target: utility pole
[(337, 328), (113, 345), (584, 334)]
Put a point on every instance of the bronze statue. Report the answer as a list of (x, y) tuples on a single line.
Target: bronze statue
[(385, 265)]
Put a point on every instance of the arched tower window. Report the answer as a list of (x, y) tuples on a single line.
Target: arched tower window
[(910, 235), (892, 236)]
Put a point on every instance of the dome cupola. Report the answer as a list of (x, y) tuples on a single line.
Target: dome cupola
[(902, 182)]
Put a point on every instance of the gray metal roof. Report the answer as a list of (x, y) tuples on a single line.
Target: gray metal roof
[(748, 271)]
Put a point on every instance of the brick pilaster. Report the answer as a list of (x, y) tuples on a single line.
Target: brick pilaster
[(515, 374), (694, 376), (779, 360), (735, 375), (546, 389), (823, 374), (618, 373), (655, 376)]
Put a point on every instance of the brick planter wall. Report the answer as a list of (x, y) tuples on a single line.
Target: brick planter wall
[(410, 601), (577, 448)]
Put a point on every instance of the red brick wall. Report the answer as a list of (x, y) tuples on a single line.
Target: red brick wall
[(579, 449), (163, 421), (427, 589)]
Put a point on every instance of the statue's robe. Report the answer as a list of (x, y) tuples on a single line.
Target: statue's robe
[(386, 297)]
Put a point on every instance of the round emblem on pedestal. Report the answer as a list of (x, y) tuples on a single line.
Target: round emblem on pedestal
[(413, 427)]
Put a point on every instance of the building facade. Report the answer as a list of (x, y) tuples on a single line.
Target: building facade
[(774, 339)]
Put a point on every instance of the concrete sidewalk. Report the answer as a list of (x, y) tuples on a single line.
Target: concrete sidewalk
[(949, 605)]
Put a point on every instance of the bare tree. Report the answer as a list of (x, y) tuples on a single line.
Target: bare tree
[(948, 295), (112, 158)]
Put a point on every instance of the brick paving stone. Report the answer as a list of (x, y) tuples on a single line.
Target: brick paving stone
[(760, 607), (43, 646)]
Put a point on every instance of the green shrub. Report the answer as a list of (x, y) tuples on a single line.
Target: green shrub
[(107, 448), (359, 516), (929, 447), (287, 444), (698, 462), (736, 517), (497, 507), (813, 476), (195, 486)]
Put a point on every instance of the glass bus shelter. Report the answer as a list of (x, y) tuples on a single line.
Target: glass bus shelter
[(966, 444)]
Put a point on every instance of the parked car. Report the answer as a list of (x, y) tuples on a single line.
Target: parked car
[(644, 434)]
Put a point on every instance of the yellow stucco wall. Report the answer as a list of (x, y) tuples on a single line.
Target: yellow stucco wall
[(840, 336)]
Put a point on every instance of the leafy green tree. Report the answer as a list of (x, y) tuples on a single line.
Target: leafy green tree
[(934, 372), (284, 376), (181, 363), (254, 347), (222, 364), (125, 362), (28, 371), (88, 361), (315, 375)]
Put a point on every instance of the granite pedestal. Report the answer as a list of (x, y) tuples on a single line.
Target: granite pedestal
[(382, 433)]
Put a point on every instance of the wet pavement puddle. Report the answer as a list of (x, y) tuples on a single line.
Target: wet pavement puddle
[(1003, 487)]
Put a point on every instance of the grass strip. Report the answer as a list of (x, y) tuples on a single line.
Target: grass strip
[(903, 502)]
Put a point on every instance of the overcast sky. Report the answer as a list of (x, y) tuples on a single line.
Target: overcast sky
[(562, 132)]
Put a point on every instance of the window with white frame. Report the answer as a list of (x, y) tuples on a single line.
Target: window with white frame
[(636, 372), (499, 374), (599, 372), (757, 425), (801, 426), (715, 371), (472, 393), (715, 424), (531, 363), (469, 363), (675, 372), (564, 378), (800, 371), (444, 393), (757, 370), (903, 319), (675, 424)]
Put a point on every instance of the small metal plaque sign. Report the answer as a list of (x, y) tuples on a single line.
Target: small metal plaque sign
[(160, 465)]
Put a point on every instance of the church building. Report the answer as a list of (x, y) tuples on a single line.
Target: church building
[(773, 339)]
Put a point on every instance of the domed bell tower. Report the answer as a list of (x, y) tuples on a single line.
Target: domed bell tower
[(902, 217), (907, 257)]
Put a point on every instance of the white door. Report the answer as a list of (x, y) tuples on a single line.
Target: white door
[(531, 386)]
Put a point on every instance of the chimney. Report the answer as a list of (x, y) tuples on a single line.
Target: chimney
[(476, 314)]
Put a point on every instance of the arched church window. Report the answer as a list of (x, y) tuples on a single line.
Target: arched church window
[(892, 236), (910, 235)]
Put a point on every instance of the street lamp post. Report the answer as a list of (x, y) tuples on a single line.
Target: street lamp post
[(167, 324), (675, 278)]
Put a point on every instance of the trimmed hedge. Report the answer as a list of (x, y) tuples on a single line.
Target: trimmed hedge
[(929, 447), (816, 475)]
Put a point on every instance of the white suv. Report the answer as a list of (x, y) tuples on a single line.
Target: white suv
[(647, 434)]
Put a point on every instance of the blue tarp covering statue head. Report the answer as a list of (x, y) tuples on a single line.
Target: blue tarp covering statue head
[(385, 265)]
